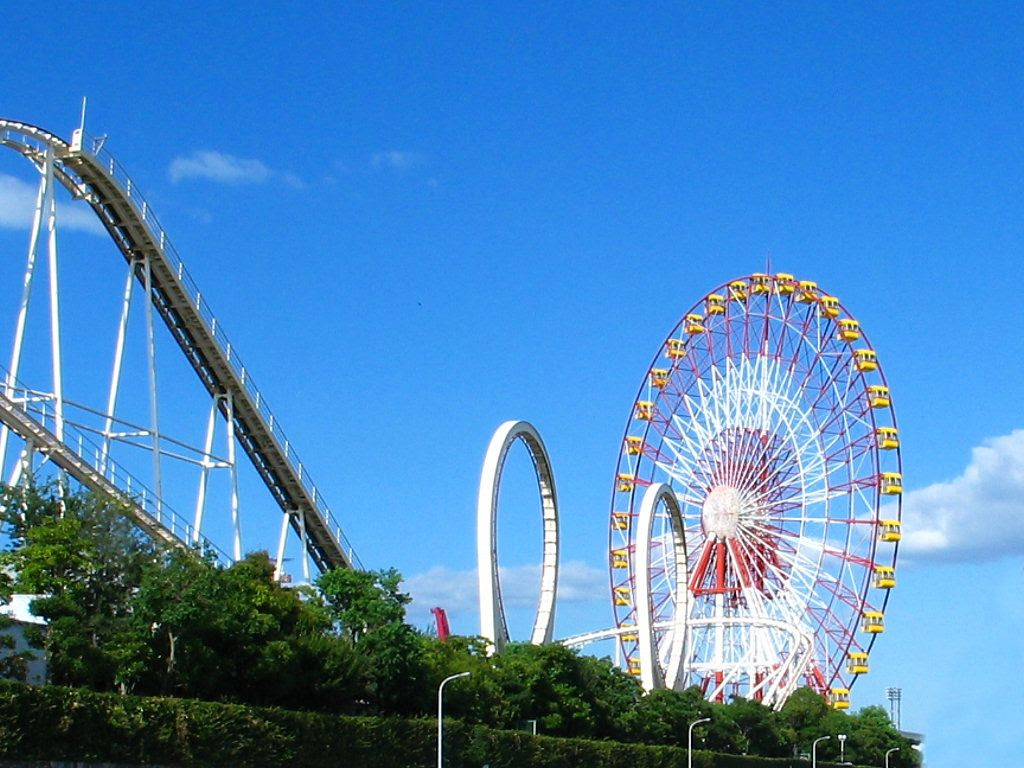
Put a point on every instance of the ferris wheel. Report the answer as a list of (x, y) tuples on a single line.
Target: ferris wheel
[(755, 515)]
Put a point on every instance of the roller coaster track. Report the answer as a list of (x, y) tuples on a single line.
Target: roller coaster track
[(16, 416), (94, 176)]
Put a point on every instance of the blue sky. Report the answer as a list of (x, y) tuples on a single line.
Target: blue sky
[(419, 221)]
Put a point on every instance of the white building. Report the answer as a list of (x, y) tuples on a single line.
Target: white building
[(18, 611)]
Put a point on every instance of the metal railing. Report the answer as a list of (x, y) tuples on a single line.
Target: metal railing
[(135, 492), (24, 137), (118, 174)]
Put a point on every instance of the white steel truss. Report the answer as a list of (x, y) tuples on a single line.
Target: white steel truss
[(171, 299)]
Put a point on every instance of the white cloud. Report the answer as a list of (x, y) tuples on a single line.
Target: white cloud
[(580, 582), (18, 203), (394, 158), (220, 167), (978, 515), (457, 593), (453, 590), (292, 180)]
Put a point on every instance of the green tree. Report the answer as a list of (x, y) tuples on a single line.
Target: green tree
[(325, 674), (362, 601), (367, 609), (80, 553), (834, 723), (452, 656), (804, 711), (124, 613), (178, 615), (762, 731), (872, 734), (458, 653), (614, 694), (568, 695), (235, 633), (397, 670), (664, 716)]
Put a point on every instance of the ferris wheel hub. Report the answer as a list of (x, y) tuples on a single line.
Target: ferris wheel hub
[(722, 511)]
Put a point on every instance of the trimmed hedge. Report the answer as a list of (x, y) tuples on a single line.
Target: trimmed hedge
[(53, 723)]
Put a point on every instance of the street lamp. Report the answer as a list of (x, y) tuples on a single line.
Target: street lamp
[(689, 740), (814, 750), (440, 716), (842, 747), (889, 752)]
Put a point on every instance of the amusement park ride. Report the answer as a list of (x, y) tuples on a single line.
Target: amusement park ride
[(748, 553), (110, 425)]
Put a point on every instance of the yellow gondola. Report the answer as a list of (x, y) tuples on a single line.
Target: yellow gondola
[(634, 445), (738, 290), (839, 698), (892, 483), (644, 410), (625, 482), (694, 323), (857, 663), (620, 559), (807, 292), (889, 530), (865, 360), (885, 577), (830, 306), (620, 521), (873, 622), (659, 377), (888, 438), (849, 330), (715, 304), (878, 396), (761, 283), (675, 348), (784, 283)]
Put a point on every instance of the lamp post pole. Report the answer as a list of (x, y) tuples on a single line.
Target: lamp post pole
[(689, 740), (889, 752), (440, 716), (895, 696), (814, 750), (842, 747)]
